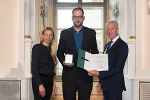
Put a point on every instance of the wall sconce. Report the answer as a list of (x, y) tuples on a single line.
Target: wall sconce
[(43, 12), (115, 10)]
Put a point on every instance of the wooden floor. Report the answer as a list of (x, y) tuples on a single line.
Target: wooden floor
[(94, 94), (93, 97)]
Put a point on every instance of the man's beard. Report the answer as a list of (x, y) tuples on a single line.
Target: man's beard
[(78, 25)]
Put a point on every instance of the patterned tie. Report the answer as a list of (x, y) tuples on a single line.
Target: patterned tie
[(108, 46)]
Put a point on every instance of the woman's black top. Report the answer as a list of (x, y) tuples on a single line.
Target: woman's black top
[(42, 62)]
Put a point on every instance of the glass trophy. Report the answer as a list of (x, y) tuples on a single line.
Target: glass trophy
[(68, 59)]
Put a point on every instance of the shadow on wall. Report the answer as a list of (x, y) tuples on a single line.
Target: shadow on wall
[(7, 72), (16, 72)]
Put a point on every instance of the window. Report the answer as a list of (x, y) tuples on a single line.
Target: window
[(92, 1), (69, 1), (94, 18)]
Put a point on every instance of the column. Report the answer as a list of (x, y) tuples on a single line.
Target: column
[(29, 31)]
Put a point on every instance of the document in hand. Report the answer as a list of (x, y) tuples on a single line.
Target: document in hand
[(90, 61)]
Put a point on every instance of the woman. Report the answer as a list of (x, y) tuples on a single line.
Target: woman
[(42, 65)]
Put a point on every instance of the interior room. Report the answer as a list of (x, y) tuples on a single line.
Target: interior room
[(22, 22)]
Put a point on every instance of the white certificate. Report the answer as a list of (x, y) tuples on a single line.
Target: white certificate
[(97, 62)]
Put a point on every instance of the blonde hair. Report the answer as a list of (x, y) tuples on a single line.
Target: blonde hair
[(52, 45)]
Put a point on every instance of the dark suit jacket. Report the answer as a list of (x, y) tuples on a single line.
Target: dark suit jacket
[(67, 46), (113, 80)]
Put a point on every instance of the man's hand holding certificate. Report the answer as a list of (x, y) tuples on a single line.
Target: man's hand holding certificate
[(90, 61)]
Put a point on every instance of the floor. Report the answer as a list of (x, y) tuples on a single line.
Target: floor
[(94, 94)]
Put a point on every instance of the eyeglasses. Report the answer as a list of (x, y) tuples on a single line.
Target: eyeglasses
[(80, 17)]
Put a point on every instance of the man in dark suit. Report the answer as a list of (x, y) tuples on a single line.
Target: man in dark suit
[(112, 81), (71, 40)]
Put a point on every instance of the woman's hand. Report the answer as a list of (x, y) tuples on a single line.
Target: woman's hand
[(98, 88), (42, 90)]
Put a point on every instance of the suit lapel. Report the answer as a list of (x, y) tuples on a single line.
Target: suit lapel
[(73, 39), (115, 44), (84, 38)]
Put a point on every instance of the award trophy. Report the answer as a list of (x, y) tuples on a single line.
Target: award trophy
[(68, 59)]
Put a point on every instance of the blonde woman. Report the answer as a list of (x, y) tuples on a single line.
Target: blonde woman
[(43, 65)]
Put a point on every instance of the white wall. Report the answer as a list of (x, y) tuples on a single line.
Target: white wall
[(9, 30), (143, 37), (11, 38)]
